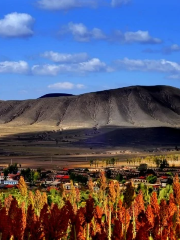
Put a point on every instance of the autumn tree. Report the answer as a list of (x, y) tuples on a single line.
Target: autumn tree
[(22, 187)]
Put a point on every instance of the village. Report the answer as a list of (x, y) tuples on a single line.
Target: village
[(61, 178)]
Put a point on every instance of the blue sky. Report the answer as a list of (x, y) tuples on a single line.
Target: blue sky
[(78, 46)]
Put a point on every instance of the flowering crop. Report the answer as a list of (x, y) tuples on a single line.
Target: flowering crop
[(109, 214)]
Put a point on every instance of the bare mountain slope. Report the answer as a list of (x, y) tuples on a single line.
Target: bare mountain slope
[(136, 106)]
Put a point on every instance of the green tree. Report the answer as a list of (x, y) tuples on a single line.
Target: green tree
[(13, 168), (6, 172), (164, 164), (119, 177), (36, 176), (151, 179), (165, 192), (157, 161), (112, 161), (91, 162), (28, 174)]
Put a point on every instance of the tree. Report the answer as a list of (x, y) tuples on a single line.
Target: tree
[(91, 162), (22, 186), (13, 168), (6, 172), (157, 161), (119, 177), (164, 164), (143, 167), (108, 173), (151, 179), (78, 178), (112, 161), (36, 176)]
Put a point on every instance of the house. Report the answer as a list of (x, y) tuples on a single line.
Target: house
[(63, 178), (67, 186), (96, 169), (56, 183), (140, 180), (10, 176), (164, 180), (9, 182)]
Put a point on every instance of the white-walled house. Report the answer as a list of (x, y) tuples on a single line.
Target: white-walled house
[(67, 186), (9, 182)]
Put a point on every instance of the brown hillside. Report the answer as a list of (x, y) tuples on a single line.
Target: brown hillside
[(136, 106)]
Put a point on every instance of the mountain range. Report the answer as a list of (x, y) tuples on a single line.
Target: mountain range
[(135, 106)]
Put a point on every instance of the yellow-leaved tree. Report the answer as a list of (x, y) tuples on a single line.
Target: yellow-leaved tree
[(22, 187)]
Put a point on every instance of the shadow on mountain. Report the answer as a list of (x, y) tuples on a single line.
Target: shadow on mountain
[(137, 137), (130, 138)]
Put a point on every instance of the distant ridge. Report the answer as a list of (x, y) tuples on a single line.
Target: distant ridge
[(135, 106), (50, 95)]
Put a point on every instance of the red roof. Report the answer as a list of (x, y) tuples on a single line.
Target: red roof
[(10, 186), (62, 176), (142, 177), (66, 177), (164, 177), (59, 176), (65, 169)]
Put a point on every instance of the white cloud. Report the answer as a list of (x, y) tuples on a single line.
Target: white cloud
[(65, 85), (138, 36), (81, 33), (171, 49), (174, 77), (20, 67), (147, 65), (65, 57), (90, 66), (65, 4), (46, 69), (16, 25), (175, 47), (119, 3), (93, 65)]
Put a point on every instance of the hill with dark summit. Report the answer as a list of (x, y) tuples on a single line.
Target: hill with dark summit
[(136, 106), (50, 95)]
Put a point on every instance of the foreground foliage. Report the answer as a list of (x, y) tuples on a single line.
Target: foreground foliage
[(110, 213)]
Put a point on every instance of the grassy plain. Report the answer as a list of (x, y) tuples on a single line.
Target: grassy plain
[(48, 147)]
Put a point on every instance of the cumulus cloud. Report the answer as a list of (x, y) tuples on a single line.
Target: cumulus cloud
[(136, 37), (171, 49), (81, 33), (16, 25), (65, 85), (90, 66), (65, 4), (119, 3), (165, 50), (65, 57), (163, 66), (20, 67)]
